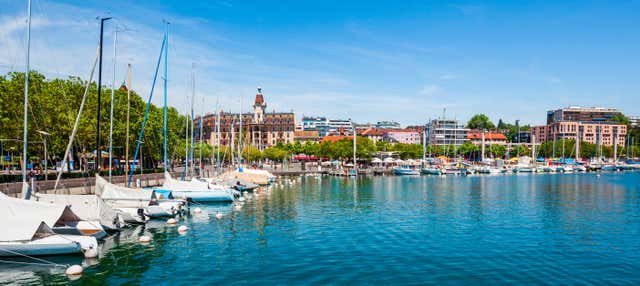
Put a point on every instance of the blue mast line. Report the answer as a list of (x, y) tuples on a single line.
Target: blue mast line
[(166, 52), (146, 113)]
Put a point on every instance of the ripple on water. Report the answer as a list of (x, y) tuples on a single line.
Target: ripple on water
[(525, 229)]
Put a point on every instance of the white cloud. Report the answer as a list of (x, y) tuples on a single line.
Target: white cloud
[(430, 90), (448, 76)]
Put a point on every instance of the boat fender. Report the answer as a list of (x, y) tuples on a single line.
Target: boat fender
[(171, 221), (219, 215), (74, 270), (144, 239), (197, 210), (91, 252), (183, 228)]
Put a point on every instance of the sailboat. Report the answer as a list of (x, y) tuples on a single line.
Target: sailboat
[(197, 190), (137, 205), (90, 208), (27, 229), (30, 227)]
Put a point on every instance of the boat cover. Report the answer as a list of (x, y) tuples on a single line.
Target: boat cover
[(87, 207), (22, 219), (119, 197)]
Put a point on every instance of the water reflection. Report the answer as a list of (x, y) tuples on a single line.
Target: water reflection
[(521, 229)]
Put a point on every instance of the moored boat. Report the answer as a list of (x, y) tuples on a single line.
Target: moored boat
[(27, 229), (405, 171)]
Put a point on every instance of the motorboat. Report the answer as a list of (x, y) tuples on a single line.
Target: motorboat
[(431, 171), (405, 171)]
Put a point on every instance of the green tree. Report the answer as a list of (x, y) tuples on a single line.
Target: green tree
[(480, 121)]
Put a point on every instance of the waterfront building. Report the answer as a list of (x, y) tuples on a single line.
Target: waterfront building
[(602, 133), (374, 134), (634, 121), (259, 128), (490, 138), (340, 127), (446, 132), (306, 136), (593, 125), (402, 136), (316, 123), (387, 125), (582, 114), (522, 136)]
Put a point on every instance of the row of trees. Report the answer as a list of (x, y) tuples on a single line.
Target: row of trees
[(53, 107), (482, 121)]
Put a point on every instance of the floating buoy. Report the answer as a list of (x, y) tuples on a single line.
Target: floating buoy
[(183, 228), (197, 210), (74, 270), (171, 221), (219, 215), (144, 239), (91, 253), (241, 199)]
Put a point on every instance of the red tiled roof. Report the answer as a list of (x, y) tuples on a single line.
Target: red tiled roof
[(334, 138), (487, 136)]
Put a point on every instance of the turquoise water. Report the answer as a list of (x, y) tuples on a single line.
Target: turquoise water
[(569, 229)]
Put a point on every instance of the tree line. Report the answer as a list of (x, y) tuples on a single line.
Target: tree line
[(53, 107)]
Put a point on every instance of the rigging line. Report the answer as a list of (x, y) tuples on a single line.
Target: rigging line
[(31, 263), (31, 257)]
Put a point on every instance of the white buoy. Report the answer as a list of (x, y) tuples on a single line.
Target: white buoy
[(172, 221), (74, 270), (183, 228), (197, 210), (219, 215), (241, 199), (144, 239), (91, 253)]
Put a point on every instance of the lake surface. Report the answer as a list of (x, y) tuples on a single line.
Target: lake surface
[(512, 229)]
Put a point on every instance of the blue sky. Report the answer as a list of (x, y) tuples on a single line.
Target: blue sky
[(366, 60)]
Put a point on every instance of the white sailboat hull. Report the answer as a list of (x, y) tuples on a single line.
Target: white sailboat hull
[(51, 245)]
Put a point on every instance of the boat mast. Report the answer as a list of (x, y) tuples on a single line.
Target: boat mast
[(26, 97), (353, 129), (200, 164), (482, 151), (424, 147), (578, 138), (113, 88), (219, 165), (240, 137), (146, 113), (166, 52), (77, 122), (98, 160), (193, 123), (126, 144), (231, 145), (186, 143), (563, 160)]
